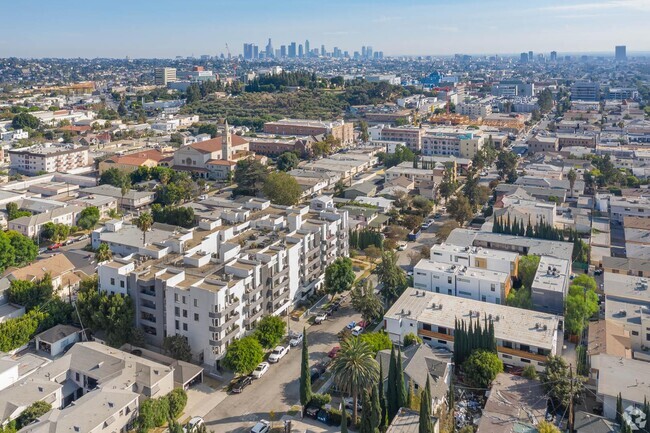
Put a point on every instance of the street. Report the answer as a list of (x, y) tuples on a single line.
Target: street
[(278, 389)]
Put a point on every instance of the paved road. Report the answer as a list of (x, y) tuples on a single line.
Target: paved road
[(278, 389)]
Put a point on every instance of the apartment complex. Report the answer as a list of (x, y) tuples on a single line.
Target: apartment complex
[(585, 91), (48, 158), (464, 145), (410, 135), (474, 109), (522, 338), (246, 259), (339, 129), (162, 76), (551, 285)]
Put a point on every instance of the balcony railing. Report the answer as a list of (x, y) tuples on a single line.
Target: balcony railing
[(436, 335)]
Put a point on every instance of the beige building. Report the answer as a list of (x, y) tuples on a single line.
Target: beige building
[(31, 225), (543, 144), (48, 158), (162, 76), (131, 162), (410, 135), (339, 129)]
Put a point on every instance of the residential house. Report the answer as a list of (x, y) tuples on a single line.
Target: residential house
[(31, 226)]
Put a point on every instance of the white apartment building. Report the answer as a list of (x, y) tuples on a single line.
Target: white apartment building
[(620, 207), (412, 136), (464, 145), (212, 283), (31, 226), (462, 281), (522, 338), (48, 158), (476, 257), (551, 285), (162, 76), (474, 109)]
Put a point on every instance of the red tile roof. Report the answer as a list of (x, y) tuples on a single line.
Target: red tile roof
[(214, 145)]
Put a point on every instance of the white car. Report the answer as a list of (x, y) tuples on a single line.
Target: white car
[(278, 353), (320, 318), (193, 424), (262, 427), (260, 370), (402, 246), (295, 340), (356, 331)]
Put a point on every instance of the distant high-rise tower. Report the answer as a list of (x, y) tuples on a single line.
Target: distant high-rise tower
[(269, 49), (162, 76), (307, 52), (301, 52), (530, 56), (523, 57), (283, 51), (363, 51), (553, 56), (256, 52), (369, 52), (621, 53), (292, 50), (248, 51), (322, 50)]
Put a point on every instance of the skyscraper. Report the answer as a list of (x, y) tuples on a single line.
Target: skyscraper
[(307, 52), (523, 57), (530, 56), (363, 51), (553, 56), (248, 51), (292, 50), (621, 53), (301, 53), (283, 51), (269, 49), (322, 50), (256, 52), (369, 52)]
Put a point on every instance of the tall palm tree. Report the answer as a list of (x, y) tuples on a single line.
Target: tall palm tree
[(103, 253), (355, 369), (571, 176), (144, 223)]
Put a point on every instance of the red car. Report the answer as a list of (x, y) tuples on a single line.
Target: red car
[(54, 246), (335, 350), (363, 324)]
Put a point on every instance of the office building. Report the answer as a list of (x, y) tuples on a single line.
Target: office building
[(585, 91), (553, 56), (292, 50), (269, 49), (246, 259), (369, 52), (301, 52), (307, 52), (283, 51), (48, 158), (523, 57), (339, 129), (530, 56), (522, 338), (162, 76), (322, 50), (620, 53)]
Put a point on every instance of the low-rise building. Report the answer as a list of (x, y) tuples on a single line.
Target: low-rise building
[(550, 285), (48, 158), (132, 161), (339, 129), (132, 200), (412, 136), (522, 338), (31, 226), (540, 144)]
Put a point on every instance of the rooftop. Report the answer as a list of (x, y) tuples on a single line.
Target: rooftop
[(629, 377), (551, 274)]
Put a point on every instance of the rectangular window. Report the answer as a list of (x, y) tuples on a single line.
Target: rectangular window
[(525, 361), (184, 313), (506, 356), (176, 325), (175, 297), (184, 300), (122, 284), (196, 317), (184, 326), (196, 302), (647, 337), (177, 311), (492, 287), (635, 332), (448, 280), (112, 281)]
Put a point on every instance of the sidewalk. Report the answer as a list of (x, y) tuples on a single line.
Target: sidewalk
[(201, 399)]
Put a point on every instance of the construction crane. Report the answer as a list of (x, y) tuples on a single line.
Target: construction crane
[(234, 63)]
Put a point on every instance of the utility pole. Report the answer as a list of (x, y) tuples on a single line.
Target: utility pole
[(571, 409)]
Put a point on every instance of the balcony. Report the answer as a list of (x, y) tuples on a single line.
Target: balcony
[(521, 354), (253, 317), (436, 335), (229, 321), (225, 310), (253, 291)]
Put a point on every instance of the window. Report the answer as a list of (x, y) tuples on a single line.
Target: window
[(507, 344), (175, 297), (196, 303), (506, 356), (184, 326), (492, 287), (525, 361), (184, 300), (112, 281), (442, 342), (122, 284), (176, 325), (196, 317), (184, 313), (647, 337), (635, 332), (483, 298), (448, 280), (76, 376), (177, 311)]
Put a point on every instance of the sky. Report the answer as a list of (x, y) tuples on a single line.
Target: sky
[(164, 28)]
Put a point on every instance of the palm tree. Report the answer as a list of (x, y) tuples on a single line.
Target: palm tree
[(572, 179), (355, 369), (144, 223), (103, 253)]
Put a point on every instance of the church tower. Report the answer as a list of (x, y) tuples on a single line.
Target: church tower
[(226, 143)]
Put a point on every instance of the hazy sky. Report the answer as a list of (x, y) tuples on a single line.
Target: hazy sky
[(164, 28)]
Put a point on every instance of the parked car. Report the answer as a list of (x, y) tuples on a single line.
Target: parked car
[(333, 352), (260, 370), (356, 331), (241, 383), (351, 325), (203, 197), (349, 402), (312, 412), (83, 237), (598, 271), (296, 340), (401, 246), (194, 423), (54, 246), (320, 318), (263, 426), (323, 416), (363, 324), (278, 353)]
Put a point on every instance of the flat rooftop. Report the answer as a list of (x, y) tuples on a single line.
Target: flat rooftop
[(626, 287), (513, 324), (552, 274)]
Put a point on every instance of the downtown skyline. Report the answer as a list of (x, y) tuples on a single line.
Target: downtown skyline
[(148, 30)]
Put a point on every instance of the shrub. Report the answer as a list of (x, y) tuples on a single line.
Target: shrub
[(320, 400), (410, 339), (177, 401), (529, 372)]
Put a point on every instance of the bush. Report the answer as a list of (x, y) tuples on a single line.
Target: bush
[(481, 368), (177, 401), (156, 412), (376, 340), (320, 400), (34, 411), (410, 339), (529, 372)]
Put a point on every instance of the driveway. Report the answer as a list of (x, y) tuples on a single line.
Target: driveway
[(278, 389)]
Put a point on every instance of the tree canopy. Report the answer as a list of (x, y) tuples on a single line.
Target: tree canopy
[(287, 161), (460, 209), (177, 347), (481, 368), (250, 177), (339, 276), (244, 355), (282, 188), (88, 218), (391, 276), (270, 330)]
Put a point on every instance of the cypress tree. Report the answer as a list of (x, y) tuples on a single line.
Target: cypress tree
[(383, 420), (425, 424), (410, 394), (400, 385), (344, 420), (375, 409), (366, 414), (619, 409), (305, 374), (451, 397), (391, 387)]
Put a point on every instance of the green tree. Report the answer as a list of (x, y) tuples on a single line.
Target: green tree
[(121, 109), (103, 253), (24, 249), (355, 369), (571, 176), (177, 347), (530, 372), (383, 417), (375, 408), (547, 427), (31, 294), (366, 302), (557, 381), (344, 420), (13, 212), (364, 135), (17, 332), (339, 276), (287, 161), (144, 223), (88, 218), (460, 209), (244, 355), (305, 373), (250, 177), (411, 338), (527, 269), (33, 412), (270, 331), (391, 276), (506, 164), (412, 222), (377, 340), (400, 384), (55, 232), (177, 402), (282, 188), (481, 368), (25, 121), (391, 387), (581, 304), (425, 424), (114, 177), (366, 415), (178, 216)]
